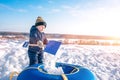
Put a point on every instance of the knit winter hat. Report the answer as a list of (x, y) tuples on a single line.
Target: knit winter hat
[(40, 21)]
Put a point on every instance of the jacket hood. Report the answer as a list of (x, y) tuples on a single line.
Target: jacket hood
[(33, 28)]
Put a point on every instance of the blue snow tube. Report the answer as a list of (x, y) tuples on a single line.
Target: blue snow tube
[(71, 72)]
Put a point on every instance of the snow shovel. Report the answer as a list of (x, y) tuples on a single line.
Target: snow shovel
[(52, 46)]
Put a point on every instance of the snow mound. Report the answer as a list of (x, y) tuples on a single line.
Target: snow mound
[(104, 61)]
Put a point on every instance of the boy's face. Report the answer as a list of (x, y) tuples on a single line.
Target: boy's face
[(41, 28)]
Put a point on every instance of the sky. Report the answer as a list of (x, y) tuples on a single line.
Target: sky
[(82, 17)]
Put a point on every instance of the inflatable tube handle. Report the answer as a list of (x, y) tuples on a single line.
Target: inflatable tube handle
[(64, 77), (12, 74)]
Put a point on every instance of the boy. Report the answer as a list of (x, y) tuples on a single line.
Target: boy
[(37, 40)]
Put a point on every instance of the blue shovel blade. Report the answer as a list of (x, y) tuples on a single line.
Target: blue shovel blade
[(52, 47)]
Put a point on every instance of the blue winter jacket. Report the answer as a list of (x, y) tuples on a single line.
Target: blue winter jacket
[(34, 37)]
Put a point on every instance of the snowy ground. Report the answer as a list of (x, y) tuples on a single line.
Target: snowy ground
[(104, 61)]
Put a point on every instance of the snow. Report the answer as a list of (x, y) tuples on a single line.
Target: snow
[(49, 62), (103, 61)]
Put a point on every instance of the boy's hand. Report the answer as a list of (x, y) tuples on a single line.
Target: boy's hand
[(40, 44)]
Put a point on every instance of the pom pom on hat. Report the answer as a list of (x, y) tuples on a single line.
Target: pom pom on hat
[(40, 21)]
